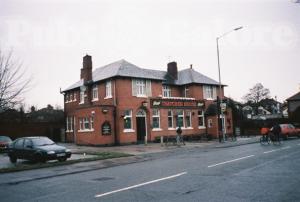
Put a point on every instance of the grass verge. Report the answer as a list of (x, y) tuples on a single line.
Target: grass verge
[(97, 156)]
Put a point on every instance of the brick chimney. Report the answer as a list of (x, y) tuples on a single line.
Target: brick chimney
[(86, 71), (172, 70)]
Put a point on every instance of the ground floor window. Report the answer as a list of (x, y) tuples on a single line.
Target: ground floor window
[(155, 118), (69, 124), (170, 119), (188, 119), (128, 119), (86, 123), (201, 122), (179, 118)]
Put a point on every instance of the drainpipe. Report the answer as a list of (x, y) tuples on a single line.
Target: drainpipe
[(115, 115)]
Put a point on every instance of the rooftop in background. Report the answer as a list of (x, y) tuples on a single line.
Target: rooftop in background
[(294, 97)]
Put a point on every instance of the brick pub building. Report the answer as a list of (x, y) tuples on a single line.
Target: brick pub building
[(121, 103)]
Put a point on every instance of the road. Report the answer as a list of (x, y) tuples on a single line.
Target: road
[(242, 173)]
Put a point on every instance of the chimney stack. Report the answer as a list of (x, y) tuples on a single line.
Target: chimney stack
[(172, 70), (86, 71)]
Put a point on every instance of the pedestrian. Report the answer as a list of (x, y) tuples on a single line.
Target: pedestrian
[(178, 135), (264, 131), (276, 131)]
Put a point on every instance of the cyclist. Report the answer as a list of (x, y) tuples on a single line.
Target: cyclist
[(276, 131)]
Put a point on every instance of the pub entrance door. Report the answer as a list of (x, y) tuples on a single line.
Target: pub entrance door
[(141, 126)]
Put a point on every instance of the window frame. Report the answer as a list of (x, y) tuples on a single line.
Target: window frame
[(156, 115), (201, 116), (108, 89), (166, 91), (95, 93), (171, 116), (128, 117)]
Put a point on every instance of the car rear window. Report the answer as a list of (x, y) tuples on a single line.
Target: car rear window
[(42, 141)]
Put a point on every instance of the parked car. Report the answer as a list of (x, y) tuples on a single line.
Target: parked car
[(289, 130), (37, 149), (4, 142)]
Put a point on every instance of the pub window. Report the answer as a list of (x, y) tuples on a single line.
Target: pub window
[(71, 97), (108, 93), (188, 119), (155, 118), (209, 92), (95, 93), (179, 119), (170, 119), (74, 96), (166, 91), (92, 123), (141, 87), (86, 123), (210, 123), (69, 124), (67, 97), (81, 101), (201, 123), (128, 119)]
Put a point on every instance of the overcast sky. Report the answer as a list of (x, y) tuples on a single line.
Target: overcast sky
[(50, 37)]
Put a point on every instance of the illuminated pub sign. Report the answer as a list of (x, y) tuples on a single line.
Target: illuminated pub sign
[(170, 103)]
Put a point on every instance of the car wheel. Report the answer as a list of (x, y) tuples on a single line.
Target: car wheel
[(62, 159), (12, 159)]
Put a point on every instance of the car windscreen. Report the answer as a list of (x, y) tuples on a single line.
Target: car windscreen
[(5, 139), (42, 141)]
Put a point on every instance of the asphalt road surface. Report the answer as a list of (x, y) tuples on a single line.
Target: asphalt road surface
[(243, 173)]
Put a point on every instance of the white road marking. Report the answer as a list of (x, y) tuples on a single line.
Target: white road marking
[(245, 157), (139, 185), (274, 150)]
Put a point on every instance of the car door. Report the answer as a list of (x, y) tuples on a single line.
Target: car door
[(18, 148), (28, 149)]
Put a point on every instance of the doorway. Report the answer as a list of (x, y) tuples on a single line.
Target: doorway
[(141, 126)]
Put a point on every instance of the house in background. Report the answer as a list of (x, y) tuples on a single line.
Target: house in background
[(121, 103), (293, 104)]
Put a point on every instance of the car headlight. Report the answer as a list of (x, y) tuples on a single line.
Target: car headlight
[(51, 152)]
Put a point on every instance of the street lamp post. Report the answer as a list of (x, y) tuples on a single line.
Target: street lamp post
[(220, 112)]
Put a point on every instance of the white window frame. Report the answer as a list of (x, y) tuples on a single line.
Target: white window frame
[(156, 114), (69, 124), (74, 97), (86, 124), (183, 119), (166, 91), (128, 116), (201, 125), (188, 124), (92, 123), (141, 88), (67, 98), (172, 119), (108, 90), (186, 89), (210, 123), (209, 92), (95, 93), (82, 96)]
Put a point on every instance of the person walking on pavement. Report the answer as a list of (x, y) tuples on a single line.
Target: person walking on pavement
[(178, 136)]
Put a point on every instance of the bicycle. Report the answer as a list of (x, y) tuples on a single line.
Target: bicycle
[(264, 140), (276, 140)]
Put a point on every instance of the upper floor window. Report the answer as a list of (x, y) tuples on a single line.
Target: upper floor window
[(186, 90), (81, 101), (95, 93), (209, 92), (74, 96), (166, 91), (141, 87), (67, 98), (108, 93)]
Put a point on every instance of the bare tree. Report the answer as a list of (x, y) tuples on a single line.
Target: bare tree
[(257, 93), (13, 81)]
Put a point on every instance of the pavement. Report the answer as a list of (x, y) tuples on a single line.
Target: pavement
[(139, 151)]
